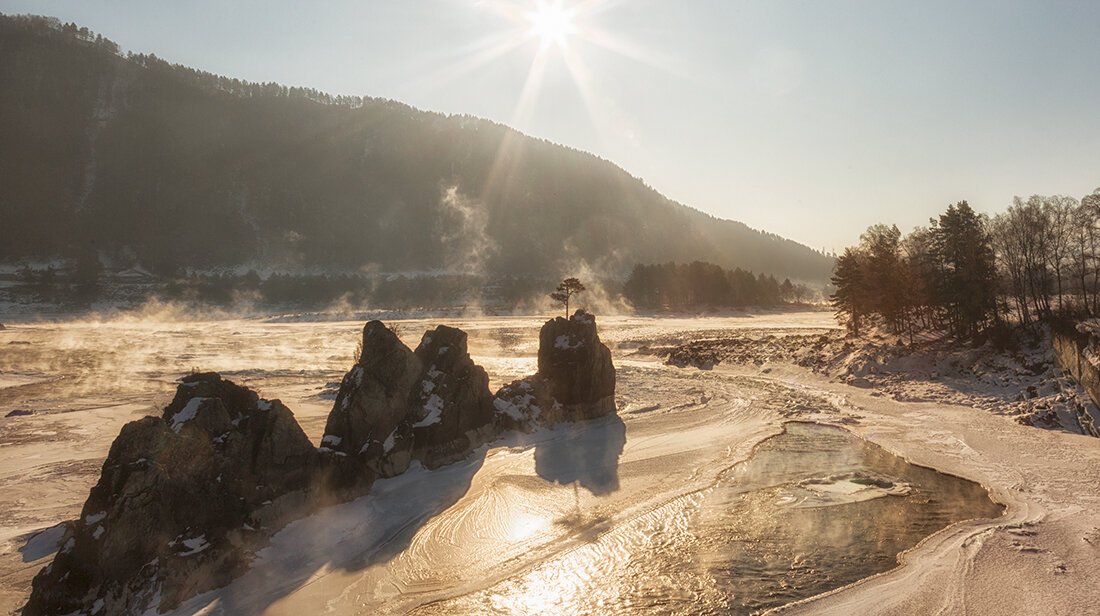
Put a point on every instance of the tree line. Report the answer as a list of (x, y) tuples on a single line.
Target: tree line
[(966, 273), (697, 284)]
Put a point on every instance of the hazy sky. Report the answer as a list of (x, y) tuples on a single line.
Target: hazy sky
[(810, 119)]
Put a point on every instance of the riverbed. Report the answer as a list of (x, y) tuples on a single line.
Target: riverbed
[(650, 512)]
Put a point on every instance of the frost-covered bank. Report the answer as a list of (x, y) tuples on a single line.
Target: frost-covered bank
[(946, 407), (1023, 380), (1039, 558)]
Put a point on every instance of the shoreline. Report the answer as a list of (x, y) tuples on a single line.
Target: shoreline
[(1024, 550)]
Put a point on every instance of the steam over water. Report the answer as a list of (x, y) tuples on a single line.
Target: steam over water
[(700, 497)]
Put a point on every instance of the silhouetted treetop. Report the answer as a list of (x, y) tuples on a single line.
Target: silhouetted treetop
[(566, 290)]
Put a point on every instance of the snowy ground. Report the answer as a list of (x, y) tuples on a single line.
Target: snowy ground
[(516, 509), (1021, 380)]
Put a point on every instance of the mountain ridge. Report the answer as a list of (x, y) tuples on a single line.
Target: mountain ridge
[(170, 167)]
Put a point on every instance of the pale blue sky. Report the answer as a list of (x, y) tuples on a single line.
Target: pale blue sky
[(810, 119)]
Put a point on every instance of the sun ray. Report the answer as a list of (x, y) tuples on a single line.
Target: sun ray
[(585, 84), (477, 56), (509, 150), (554, 24), (531, 87), (603, 39)]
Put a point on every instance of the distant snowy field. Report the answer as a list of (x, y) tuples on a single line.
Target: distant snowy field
[(476, 524)]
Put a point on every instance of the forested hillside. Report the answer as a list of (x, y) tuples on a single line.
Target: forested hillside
[(126, 157)]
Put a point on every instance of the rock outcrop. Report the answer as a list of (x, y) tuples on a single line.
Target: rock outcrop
[(369, 423), (577, 366), (526, 403), (575, 380), (1076, 351), (451, 408), (397, 405), (178, 497), (185, 498)]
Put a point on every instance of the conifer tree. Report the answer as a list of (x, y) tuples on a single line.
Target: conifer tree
[(567, 289)]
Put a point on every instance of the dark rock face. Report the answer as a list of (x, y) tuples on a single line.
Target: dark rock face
[(177, 498), (397, 405), (450, 406), (369, 420), (576, 378), (267, 449), (576, 367)]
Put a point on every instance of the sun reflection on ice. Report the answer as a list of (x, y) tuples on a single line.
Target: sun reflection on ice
[(554, 591), (524, 526)]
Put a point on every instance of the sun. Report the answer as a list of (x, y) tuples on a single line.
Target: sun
[(552, 23)]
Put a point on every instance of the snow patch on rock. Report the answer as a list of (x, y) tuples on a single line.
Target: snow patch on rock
[(519, 408), (434, 410), (566, 342), (195, 545), (187, 413)]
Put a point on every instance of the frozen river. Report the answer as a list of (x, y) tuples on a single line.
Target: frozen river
[(695, 499)]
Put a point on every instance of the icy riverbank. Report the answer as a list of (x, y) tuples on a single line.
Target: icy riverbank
[(680, 429), (1023, 380), (1039, 558)]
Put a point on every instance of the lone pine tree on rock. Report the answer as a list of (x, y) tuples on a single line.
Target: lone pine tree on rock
[(567, 289)]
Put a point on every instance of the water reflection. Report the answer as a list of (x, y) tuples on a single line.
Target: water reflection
[(813, 509)]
